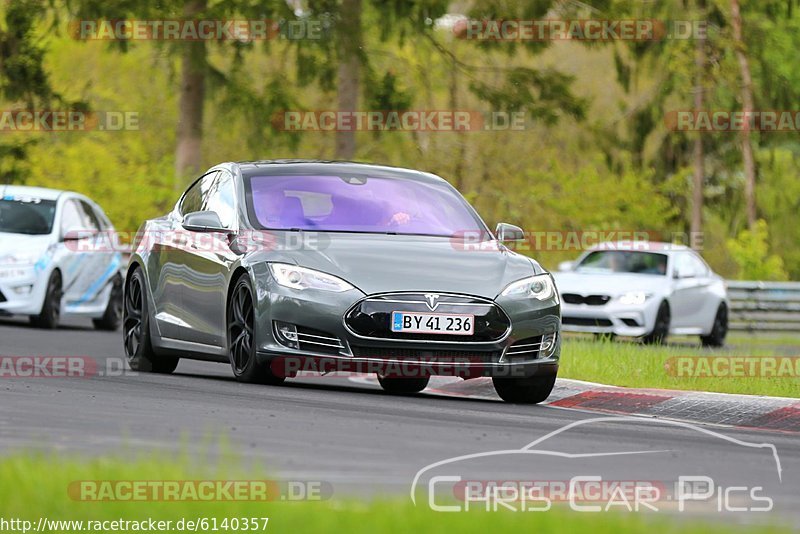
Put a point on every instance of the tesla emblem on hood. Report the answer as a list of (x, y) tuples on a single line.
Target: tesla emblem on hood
[(432, 300)]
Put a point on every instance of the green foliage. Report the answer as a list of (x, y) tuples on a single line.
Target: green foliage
[(750, 251)]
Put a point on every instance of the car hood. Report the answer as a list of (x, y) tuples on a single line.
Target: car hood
[(608, 284), (34, 245), (387, 263)]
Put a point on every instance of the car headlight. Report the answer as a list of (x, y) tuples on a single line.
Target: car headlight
[(301, 278), (20, 258), (634, 298), (539, 287)]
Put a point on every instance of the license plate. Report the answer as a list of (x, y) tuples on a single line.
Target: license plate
[(433, 323)]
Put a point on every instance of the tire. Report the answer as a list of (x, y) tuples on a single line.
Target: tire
[(399, 385), (112, 317), (532, 390), (720, 330), (136, 330), (242, 337), (51, 308), (660, 331)]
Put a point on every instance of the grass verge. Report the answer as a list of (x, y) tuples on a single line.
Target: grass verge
[(631, 364), (37, 486)]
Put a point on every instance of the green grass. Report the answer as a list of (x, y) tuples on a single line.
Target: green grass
[(34, 486), (631, 364)]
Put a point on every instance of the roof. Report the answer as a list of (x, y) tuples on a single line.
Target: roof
[(36, 192), (252, 168)]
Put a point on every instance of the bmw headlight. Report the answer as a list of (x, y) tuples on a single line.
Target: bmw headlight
[(634, 298), (301, 278), (539, 287)]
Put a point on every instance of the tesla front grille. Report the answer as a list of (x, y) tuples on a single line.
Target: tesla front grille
[(371, 317), (586, 321), (590, 300), (426, 355)]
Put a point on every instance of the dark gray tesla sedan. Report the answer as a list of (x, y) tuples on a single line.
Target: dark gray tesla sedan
[(284, 267)]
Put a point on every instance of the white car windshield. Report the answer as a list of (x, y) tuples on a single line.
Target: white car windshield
[(23, 215), (619, 261)]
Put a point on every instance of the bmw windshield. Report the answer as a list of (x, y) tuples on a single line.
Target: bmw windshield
[(617, 261), (359, 204), (30, 216)]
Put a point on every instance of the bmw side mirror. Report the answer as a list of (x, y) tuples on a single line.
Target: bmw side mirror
[(508, 232), (203, 221)]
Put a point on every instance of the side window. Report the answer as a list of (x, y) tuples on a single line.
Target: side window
[(193, 198), (698, 265), (71, 217), (220, 199), (90, 220)]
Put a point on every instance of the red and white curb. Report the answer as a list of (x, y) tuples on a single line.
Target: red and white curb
[(746, 411)]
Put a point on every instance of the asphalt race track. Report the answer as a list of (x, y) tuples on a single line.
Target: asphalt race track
[(347, 432)]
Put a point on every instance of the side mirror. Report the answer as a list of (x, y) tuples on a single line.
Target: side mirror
[(77, 233), (566, 266), (203, 221), (683, 273), (508, 232)]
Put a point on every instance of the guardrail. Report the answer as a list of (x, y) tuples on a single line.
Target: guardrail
[(764, 306)]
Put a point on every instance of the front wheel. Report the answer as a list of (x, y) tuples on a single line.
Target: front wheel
[(720, 330), (661, 329), (531, 390), (401, 385), (51, 308), (136, 331), (242, 338)]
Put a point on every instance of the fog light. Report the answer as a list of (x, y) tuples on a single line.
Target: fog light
[(548, 344), (23, 290), (287, 334)]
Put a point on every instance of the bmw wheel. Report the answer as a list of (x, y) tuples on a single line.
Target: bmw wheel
[(136, 331), (720, 330), (661, 329)]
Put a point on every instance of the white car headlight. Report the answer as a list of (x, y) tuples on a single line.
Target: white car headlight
[(539, 287), (20, 258), (301, 278), (635, 298)]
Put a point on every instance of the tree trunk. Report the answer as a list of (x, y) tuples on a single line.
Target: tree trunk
[(699, 158), (188, 154), (349, 75), (747, 108)]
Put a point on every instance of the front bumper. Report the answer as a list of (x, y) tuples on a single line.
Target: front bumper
[(21, 290), (319, 318), (611, 318)]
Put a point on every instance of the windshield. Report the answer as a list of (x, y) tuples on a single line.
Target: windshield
[(356, 203), (30, 216), (618, 261)]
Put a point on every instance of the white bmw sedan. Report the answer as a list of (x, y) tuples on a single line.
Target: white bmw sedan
[(647, 290), (52, 260)]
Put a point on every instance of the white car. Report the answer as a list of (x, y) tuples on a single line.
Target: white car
[(52, 260), (645, 289)]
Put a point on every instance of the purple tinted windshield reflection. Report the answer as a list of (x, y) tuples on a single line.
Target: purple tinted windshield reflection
[(360, 204)]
